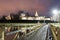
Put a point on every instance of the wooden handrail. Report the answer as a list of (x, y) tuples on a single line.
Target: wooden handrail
[(15, 36), (54, 35)]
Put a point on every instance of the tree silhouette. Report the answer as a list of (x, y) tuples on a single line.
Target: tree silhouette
[(14, 16), (19, 12), (3, 18), (27, 14)]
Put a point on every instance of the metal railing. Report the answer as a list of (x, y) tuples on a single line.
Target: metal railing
[(54, 35), (24, 37)]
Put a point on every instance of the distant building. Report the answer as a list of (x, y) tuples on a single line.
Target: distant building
[(51, 18), (36, 14), (47, 19), (30, 18), (25, 16), (12, 17), (8, 17), (22, 15), (35, 17)]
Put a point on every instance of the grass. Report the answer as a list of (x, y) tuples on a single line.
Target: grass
[(58, 33), (56, 29), (0, 33)]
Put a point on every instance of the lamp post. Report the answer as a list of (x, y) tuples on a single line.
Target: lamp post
[(56, 14)]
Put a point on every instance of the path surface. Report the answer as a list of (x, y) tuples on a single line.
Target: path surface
[(41, 34)]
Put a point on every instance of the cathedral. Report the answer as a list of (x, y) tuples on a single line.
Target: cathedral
[(23, 16), (35, 17)]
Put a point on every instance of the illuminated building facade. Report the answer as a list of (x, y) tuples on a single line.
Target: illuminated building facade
[(36, 17), (24, 16)]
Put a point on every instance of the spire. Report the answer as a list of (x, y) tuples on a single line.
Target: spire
[(8, 17), (36, 14)]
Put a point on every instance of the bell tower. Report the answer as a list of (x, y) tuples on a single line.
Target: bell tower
[(36, 14)]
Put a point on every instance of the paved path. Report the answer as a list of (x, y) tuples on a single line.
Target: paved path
[(41, 34), (49, 35)]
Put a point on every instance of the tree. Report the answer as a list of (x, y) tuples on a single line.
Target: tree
[(14, 16), (19, 12), (27, 14), (3, 18)]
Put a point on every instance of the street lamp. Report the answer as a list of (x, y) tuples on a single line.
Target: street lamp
[(56, 14), (55, 11)]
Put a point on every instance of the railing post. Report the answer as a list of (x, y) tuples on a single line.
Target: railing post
[(2, 33), (25, 29)]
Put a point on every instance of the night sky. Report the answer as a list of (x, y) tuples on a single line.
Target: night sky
[(43, 7)]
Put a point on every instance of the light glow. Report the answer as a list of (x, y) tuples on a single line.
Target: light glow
[(55, 11)]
